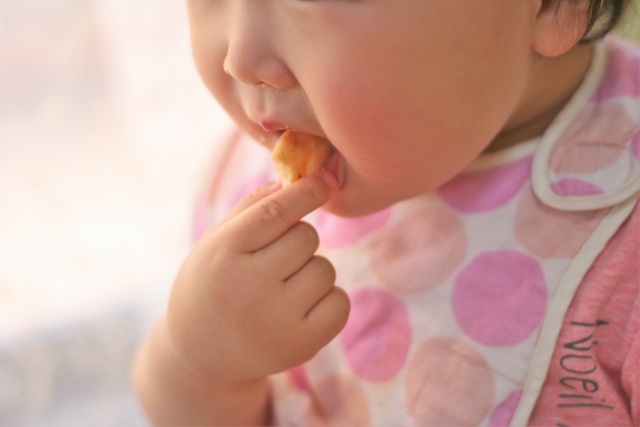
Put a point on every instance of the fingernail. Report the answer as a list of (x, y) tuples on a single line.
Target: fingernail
[(330, 179)]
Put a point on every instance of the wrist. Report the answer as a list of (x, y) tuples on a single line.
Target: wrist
[(173, 392)]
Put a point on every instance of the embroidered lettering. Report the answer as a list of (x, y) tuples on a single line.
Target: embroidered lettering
[(573, 345), (590, 386), (580, 363), (576, 396), (578, 405), (591, 325), (572, 363)]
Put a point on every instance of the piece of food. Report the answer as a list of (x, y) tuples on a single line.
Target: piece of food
[(297, 155)]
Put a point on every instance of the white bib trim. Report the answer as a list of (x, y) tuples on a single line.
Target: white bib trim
[(540, 174)]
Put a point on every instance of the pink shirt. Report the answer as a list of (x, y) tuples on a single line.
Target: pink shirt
[(594, 377)]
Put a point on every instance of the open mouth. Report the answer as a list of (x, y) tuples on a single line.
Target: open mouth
[(302, 154)]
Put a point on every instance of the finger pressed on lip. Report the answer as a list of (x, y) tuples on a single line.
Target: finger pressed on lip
[(335, 165), (330, 178), (267, 220)]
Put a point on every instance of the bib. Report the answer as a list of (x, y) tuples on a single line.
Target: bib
[(458, 296)]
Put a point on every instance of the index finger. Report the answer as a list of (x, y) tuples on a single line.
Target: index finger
[(265, 221)]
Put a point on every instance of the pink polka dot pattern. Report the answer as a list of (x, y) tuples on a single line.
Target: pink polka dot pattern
[(420, 252), (252, 184), (336, 232), (341, 401), (575, 187), (486, 190), (499, 299), (550, 233), (501, 416), (594, 140), (448, 383), (298, 377), (482, 249), (377, 336), (621, 77)]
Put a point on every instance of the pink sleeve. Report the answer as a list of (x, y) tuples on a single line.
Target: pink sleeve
[(631, 367), (594, 378)]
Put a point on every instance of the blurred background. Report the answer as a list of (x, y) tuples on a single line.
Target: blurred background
[(106, 134)]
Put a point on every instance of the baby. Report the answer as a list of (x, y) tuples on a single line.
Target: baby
[(475, 258)]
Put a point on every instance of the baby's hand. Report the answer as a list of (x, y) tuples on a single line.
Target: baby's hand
[(251, 298)]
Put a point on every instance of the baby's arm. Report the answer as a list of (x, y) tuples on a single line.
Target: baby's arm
[(172, 394), (251, 299)]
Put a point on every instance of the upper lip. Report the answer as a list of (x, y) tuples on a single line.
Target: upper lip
[(270, 125)]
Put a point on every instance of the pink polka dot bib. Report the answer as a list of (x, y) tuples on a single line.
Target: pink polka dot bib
[(458, 296)]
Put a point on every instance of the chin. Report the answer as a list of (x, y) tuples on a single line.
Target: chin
[(346, 206)]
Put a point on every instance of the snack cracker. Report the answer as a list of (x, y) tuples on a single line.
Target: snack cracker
[(297, 155)]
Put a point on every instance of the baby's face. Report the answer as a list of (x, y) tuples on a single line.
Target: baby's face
[(408, 91)]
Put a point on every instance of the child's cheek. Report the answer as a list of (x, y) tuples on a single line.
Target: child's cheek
[(357, 113)]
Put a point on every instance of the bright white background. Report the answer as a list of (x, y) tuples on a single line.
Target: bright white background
[(106, 133)]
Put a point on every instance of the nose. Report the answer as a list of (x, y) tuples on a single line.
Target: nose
[(252, 56)]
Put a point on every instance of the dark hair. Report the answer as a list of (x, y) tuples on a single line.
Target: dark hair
[(604, 15)]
